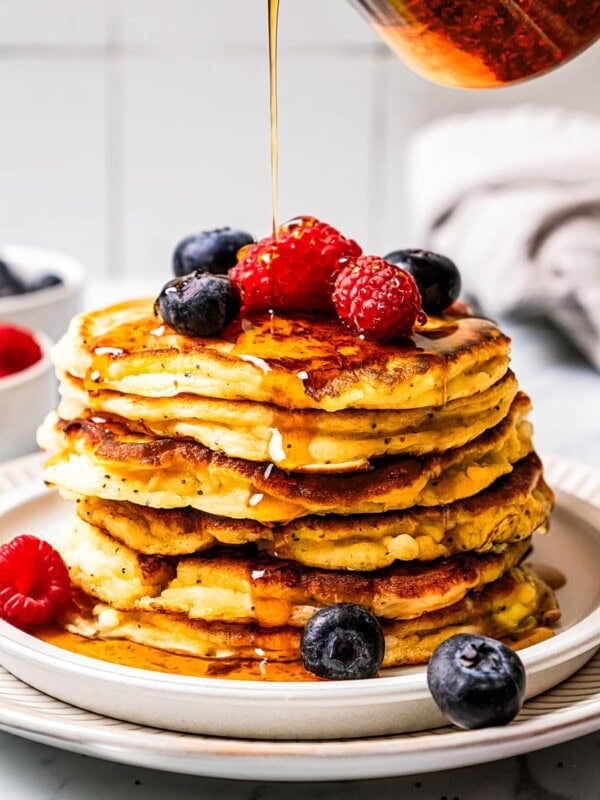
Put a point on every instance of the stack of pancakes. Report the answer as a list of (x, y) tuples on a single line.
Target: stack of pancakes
[(226, 488)]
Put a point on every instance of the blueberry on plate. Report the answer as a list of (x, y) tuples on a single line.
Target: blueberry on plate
[(436, 276), (476, 681), (199, 304), (213, 251), (44, 282), (10, 284), (342, 641)]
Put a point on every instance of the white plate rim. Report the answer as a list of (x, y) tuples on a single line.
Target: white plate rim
[(373, 757)]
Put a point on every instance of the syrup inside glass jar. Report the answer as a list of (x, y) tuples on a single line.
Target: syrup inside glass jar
[(483, 43)]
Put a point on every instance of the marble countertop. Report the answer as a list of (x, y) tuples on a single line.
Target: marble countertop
[(30, 771), (566, 397)]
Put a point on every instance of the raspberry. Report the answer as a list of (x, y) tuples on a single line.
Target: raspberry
[(378, 299), (34, 582), (18, 349), (294, 271)]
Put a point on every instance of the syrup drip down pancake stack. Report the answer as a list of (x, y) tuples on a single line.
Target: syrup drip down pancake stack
[(227, 487)]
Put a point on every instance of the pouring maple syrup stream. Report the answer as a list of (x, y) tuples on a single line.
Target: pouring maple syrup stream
[(273, 17)]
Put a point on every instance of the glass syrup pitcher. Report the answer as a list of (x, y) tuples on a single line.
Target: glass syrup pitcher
[(483, 43)]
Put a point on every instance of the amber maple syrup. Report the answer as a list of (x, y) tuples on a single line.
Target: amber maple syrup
[(319, 348), (483, 43), (140, 656), (273, 20)]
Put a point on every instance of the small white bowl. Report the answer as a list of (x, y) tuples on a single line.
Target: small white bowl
[(25, 398), (48, 310)]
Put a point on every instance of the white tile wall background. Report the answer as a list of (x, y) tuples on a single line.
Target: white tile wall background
[(126, 124)]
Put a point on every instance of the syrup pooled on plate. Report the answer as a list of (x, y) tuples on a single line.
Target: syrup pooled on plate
[(140, 656)]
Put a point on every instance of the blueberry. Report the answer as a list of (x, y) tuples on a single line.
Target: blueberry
[(10, 283), (44, 282), (476, 681), (198, 304), (213, 251), (342, 641), (436, 276)]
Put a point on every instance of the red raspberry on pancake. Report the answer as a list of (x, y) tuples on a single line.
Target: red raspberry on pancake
[(378, 299), (295, 270)]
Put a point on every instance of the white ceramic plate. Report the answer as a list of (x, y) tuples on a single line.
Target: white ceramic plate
[(397, 701)]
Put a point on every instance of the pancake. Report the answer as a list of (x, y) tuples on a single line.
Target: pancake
[(241, 586), (518, 603), (105, 458), (513, 508), (298, 362), (110, 569), (168, 531), (296, 439)]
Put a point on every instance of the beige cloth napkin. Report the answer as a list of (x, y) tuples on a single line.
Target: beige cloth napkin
[(513, 196)]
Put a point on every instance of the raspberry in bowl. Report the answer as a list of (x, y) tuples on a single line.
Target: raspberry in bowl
[(27, 388)]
